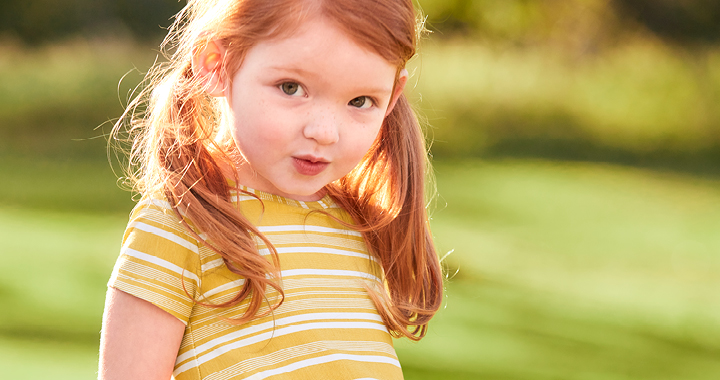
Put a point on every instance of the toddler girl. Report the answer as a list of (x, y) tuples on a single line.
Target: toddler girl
[(282, 230)]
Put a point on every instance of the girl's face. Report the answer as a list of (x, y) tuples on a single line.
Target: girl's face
[(307, 108)]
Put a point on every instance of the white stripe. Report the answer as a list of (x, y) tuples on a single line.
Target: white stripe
[(327, 272), (181, 309), (115, 273), (165, 234), (332, 251), (265, 336), (158, 261), (323, 360), (322, 204), (223, 287), (236, 283), (155, 202), (281, 322), (242, 198), (294, 353), (212, 264), (304, 205), (305, 228)]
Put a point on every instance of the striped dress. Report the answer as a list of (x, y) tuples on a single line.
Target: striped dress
[(327, 327)]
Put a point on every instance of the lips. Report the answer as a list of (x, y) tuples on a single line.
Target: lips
[(309, 165)]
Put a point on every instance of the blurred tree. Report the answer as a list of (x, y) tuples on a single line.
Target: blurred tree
[(579, 22), (575, 25), (40, 21), (683, 21)]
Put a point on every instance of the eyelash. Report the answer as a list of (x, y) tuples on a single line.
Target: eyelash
[(371, 101), (298, 87)]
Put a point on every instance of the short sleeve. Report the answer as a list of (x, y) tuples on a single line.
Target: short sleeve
[(159, 260)]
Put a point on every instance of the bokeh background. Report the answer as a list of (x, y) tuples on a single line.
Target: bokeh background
[(577, 154)]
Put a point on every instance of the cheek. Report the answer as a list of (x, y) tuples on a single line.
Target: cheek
[(363, 140), (254, 128), (254, 137), (374, 129)]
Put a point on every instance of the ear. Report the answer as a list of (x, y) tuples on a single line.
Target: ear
[(207, 65), (398, 90)]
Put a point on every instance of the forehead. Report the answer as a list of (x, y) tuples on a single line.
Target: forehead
[(319, 47)]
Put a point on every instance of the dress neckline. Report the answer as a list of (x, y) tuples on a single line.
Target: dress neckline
[(323, 203)]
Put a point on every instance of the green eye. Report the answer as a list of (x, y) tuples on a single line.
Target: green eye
[(361, 102), (290, 88)]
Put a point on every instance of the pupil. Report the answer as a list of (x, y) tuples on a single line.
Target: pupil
[(290, 88), (358, 102)]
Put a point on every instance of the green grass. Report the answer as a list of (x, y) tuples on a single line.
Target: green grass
[(560, 271), (23, 359), (61, 185), (54, 269), (575, 271)]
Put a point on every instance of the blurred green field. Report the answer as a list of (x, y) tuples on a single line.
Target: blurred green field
[(560, 271)]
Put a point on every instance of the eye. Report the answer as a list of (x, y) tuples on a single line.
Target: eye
[(292, 89), (361, 102)]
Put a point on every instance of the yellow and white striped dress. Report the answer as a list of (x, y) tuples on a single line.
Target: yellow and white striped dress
[(327, 328)]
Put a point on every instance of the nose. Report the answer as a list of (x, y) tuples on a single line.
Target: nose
[(323, 127)]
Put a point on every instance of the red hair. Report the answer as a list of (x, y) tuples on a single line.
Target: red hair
[(179, 149)]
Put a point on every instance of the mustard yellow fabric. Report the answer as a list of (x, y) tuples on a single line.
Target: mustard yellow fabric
[(327, 327)]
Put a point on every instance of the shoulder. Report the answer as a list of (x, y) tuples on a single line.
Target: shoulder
[(157, 234), (159, 259), (158, 219)]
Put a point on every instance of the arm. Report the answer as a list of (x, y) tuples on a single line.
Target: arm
[(138, 340)]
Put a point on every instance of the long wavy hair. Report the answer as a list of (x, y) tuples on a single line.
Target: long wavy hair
[(179, 148)]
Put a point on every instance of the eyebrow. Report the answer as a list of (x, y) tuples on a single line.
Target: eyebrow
[(371, 90), (293, 69)]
